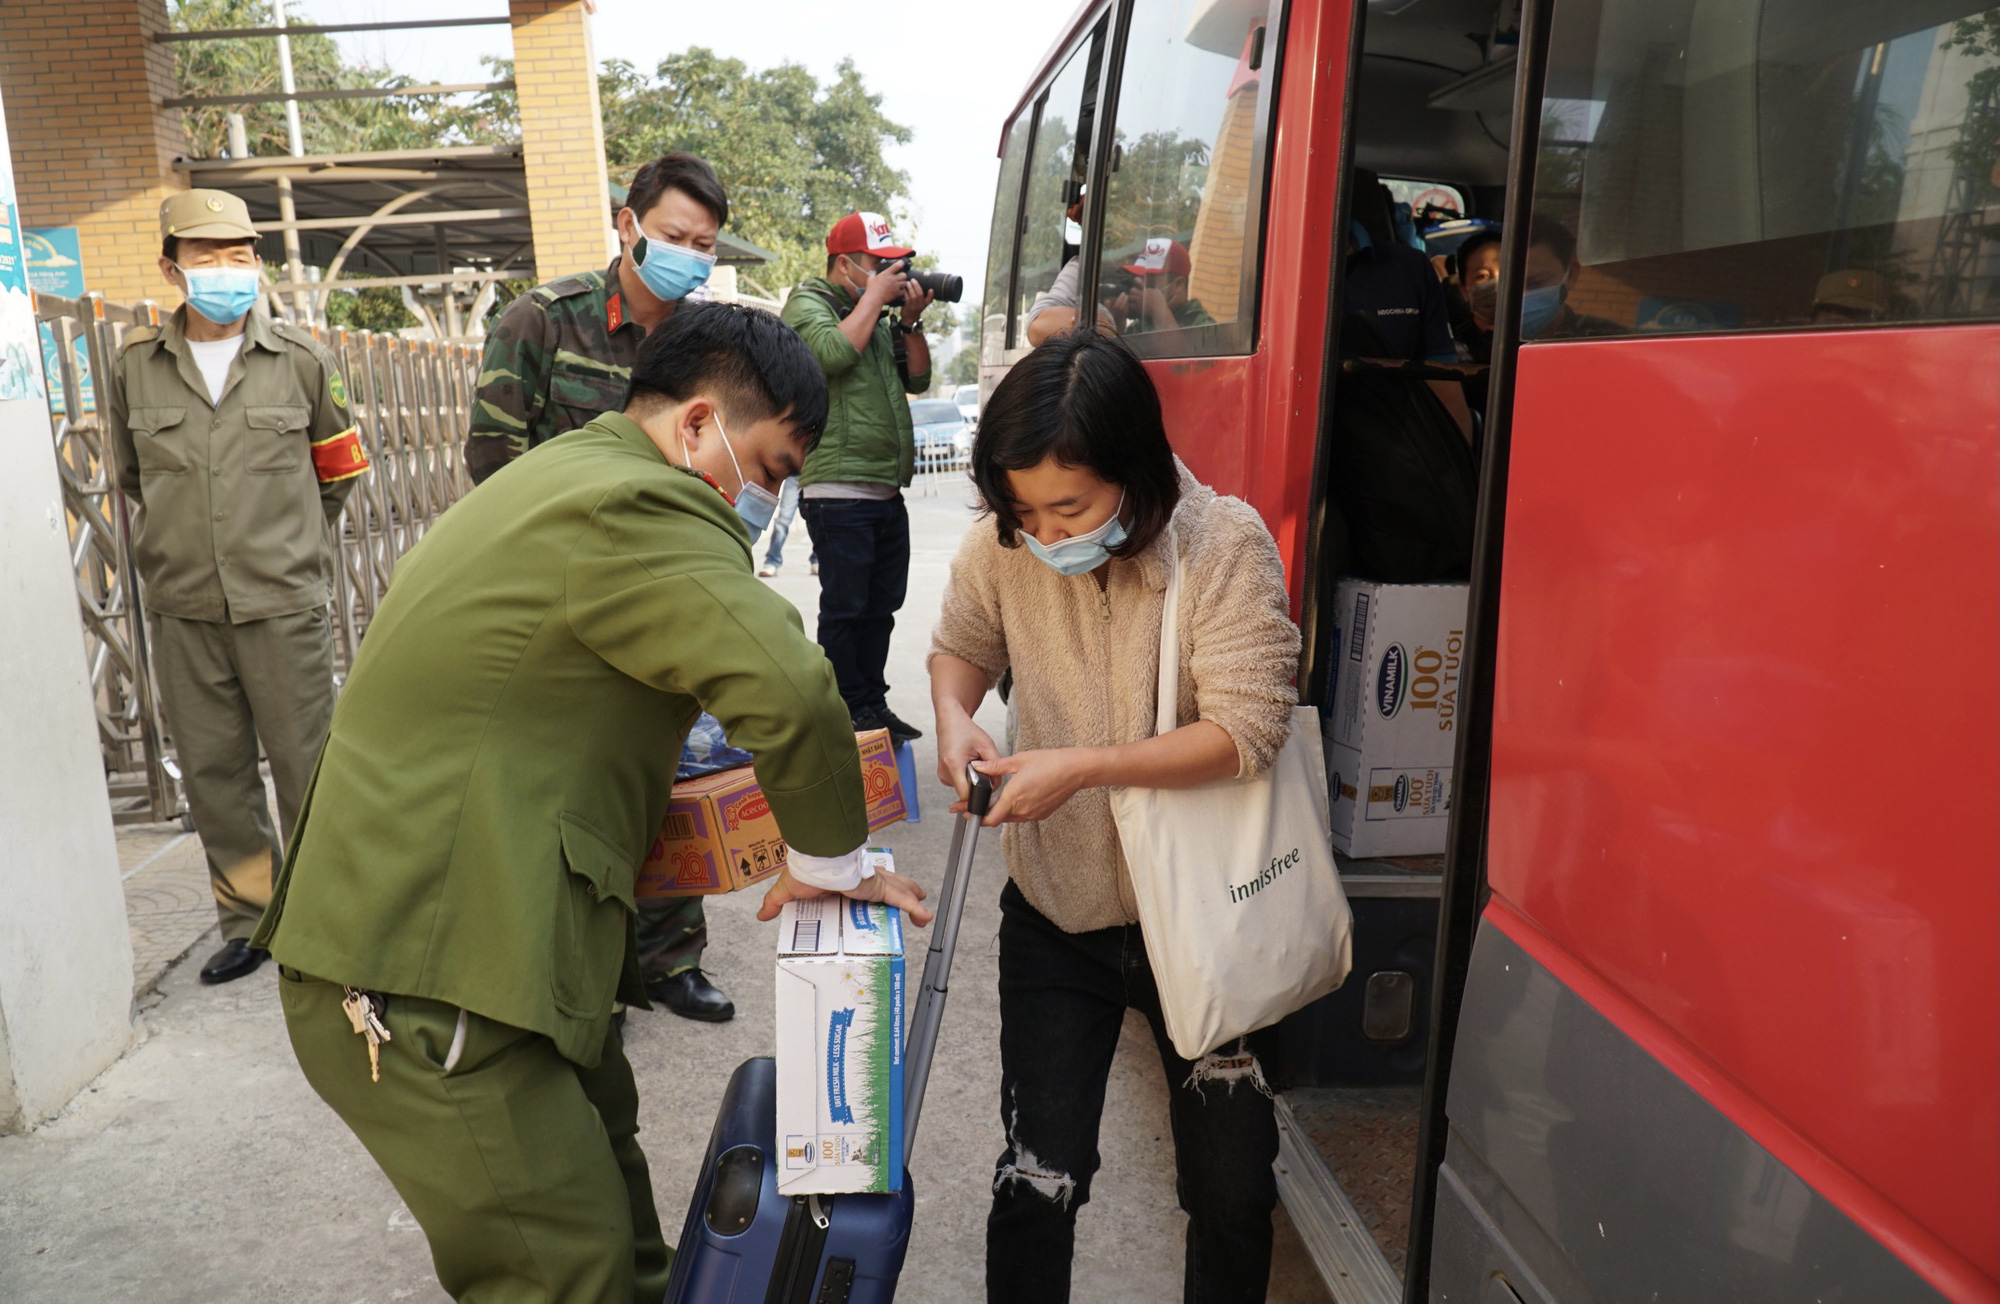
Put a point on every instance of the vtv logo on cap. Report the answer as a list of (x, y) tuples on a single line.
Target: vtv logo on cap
[(877, 227)]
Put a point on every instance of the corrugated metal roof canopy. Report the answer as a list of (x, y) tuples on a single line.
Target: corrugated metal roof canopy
[(458, 213)]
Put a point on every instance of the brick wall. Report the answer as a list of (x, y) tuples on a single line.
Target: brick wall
[(91, 147), (562, 136)]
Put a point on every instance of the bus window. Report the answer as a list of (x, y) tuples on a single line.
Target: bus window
[(1718, 165), (1186, 194), (1058, 160), (1006, 231)]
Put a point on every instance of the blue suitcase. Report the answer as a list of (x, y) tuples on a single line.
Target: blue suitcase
[(743, 1243)]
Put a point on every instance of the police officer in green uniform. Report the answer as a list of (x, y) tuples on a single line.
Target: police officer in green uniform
[(454, 920), (559, 355), (232, 435)]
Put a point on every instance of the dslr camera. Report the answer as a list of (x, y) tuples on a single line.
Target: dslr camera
[(942, 286)]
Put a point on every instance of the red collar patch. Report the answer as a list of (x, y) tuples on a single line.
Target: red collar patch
[(614, 311)]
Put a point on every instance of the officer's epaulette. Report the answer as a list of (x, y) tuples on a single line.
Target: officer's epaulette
[(569, 287), (292, 334), (138, 335)]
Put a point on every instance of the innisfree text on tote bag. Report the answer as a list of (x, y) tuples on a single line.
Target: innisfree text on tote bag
[(1239, 896)]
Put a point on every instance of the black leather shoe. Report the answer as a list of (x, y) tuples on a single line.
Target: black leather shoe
[(867, 720), (691, 995), (900, 730), (237, 959)]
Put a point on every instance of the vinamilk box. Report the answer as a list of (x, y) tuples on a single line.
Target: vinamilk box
[(1393, 727), (840, 1045)]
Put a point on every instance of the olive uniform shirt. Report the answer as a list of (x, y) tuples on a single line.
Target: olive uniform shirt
[(504, 751), (238, 495), (559, 355)]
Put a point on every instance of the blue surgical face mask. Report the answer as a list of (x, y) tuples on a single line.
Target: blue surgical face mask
[(1081, 553), (222, 294), (1539, 308), (670, 271), (753, 502)]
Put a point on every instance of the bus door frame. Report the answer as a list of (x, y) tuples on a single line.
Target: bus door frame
[(1464, 890)]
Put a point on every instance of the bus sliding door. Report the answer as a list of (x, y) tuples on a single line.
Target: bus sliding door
[(1731, 1027)]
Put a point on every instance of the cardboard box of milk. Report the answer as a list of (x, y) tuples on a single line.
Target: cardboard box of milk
[(840, 1046), (1399, 653)]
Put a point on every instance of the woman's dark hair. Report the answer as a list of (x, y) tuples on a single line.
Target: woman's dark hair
[(745, 356), (688, 173), (1083, 399)]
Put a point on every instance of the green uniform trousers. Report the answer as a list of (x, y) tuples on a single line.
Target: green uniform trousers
[(673, 932), (523, 1168), (223, 688)]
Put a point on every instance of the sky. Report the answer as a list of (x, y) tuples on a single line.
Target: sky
[(948, 69)]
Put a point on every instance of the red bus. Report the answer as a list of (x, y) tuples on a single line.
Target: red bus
[(1704, 1001)]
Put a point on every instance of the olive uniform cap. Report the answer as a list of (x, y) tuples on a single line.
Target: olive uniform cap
[(206, 215), (1855, 290)]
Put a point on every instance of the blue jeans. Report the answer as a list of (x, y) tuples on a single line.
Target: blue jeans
[(781, 524), (1063, 998), (864, 566)]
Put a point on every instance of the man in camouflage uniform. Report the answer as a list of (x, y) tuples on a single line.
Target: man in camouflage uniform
[(232, 435), (559, 356)]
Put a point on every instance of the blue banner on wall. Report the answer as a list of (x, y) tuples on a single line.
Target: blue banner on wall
[(55, 261)]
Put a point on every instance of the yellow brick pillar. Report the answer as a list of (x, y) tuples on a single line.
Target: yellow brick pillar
[(92, 148), (562, 136)]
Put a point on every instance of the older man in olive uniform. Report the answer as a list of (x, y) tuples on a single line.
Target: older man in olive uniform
[(560, 355), (454, 918), (233, 436)]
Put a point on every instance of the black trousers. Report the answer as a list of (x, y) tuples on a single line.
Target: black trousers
[(1063, 998), (863, 548)]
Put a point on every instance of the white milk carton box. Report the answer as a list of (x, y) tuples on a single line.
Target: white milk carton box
[(840, 1047), (1399, 654)]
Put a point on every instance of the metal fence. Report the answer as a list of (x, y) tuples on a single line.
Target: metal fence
[(412, 401)]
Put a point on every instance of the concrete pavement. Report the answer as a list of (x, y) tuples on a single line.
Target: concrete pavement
[(201, 1166)]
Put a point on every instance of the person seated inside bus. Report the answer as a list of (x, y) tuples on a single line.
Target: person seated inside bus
[(1476, 282), (1054, 309), (1850, 297), (1392, 289), (1151, 292), (1550, 278), (1084, 497)]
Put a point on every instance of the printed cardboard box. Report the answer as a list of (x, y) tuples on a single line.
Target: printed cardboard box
[(840, 1047), (720, 836), (1390, 735)]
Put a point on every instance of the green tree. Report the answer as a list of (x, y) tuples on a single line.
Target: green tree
[(795, 155), (963, 369)]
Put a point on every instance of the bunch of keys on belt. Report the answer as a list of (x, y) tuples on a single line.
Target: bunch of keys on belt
[(364, 1011)]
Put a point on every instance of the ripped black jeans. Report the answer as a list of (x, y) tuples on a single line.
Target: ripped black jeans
[(1063, 997)]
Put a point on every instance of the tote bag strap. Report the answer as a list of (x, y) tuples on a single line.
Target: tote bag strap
[(1166, 716)]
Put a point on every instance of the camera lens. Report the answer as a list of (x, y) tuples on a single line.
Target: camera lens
[(941, 285)]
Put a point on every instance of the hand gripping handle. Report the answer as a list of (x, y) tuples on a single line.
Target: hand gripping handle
[(929, 1012)]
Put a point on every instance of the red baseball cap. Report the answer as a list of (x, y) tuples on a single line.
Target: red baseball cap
[(1161, 255), (864, 233)]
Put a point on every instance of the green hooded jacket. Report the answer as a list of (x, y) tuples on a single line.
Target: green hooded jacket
[(502, 755), (869, 436)]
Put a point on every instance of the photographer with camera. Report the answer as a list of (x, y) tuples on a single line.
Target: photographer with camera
[(862, 320)]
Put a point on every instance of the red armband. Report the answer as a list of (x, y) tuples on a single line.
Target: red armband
[(339, 457)]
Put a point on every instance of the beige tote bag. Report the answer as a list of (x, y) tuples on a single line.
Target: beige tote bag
[(1239, 897)]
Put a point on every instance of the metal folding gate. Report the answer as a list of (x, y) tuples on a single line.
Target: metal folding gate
[(412, 401)]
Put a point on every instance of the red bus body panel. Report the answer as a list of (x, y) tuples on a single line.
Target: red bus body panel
[(1746, 758), (1248, 426)]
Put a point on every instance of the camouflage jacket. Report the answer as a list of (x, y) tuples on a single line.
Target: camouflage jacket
[(559, 355)]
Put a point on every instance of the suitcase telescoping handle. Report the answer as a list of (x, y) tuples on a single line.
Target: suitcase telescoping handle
[(937, 965)]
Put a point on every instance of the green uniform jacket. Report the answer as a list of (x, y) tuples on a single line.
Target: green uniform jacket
[(504, 750), (559, 355), (869, 436), (236, 517)]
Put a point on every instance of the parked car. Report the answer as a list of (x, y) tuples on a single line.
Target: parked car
[(967, 398), (943, 438)]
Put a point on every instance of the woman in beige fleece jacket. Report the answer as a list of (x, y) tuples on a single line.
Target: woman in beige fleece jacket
[(1064, 585)]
